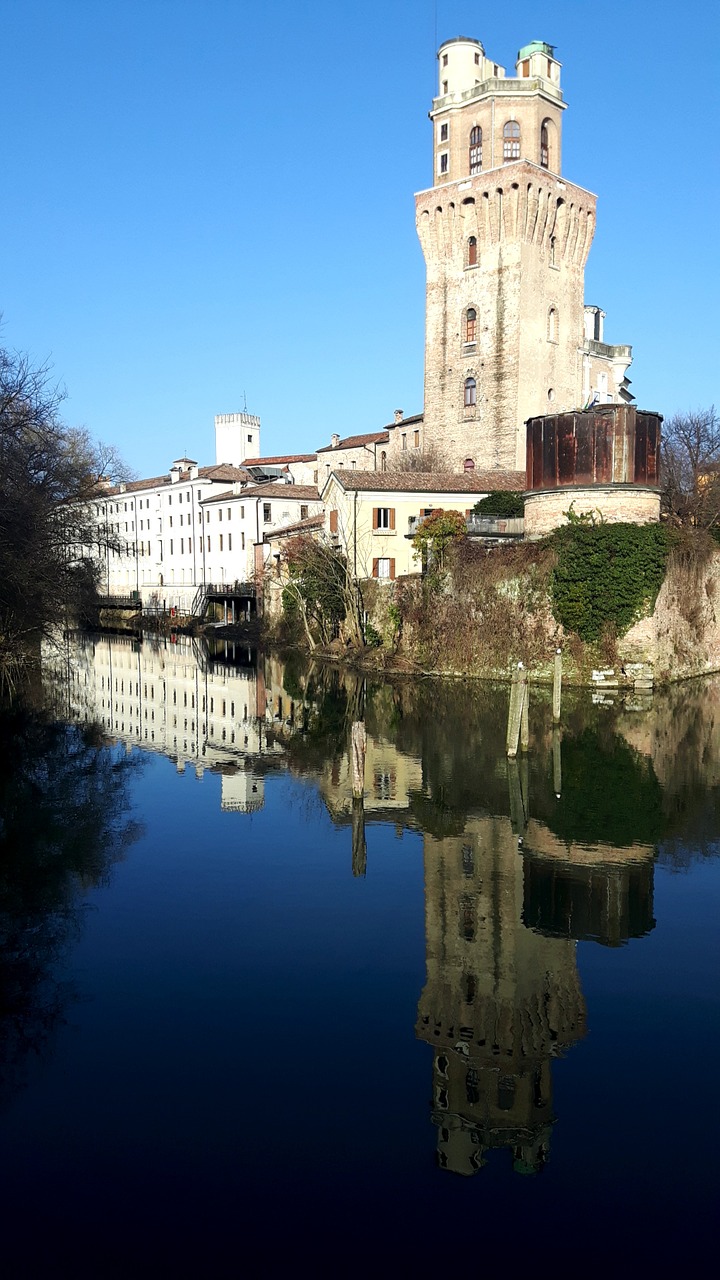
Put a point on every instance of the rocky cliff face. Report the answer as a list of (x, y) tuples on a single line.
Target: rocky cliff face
[(681, 638)]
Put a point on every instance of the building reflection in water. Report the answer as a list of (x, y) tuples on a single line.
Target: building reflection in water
[(518, 866), (219, 711)]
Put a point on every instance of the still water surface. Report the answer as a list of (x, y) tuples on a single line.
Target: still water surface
[(247, 1021)]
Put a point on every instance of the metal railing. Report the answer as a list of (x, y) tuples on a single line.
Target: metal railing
[(482, 526), (496, 526), (120, 602), (247, 589)]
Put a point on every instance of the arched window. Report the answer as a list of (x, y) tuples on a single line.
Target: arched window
[(544, 147), (476, 149), (470, 324), (511, 141), (552, 325), (383, 461), (553, 251), (468, 465), (470, 393), (472, 251)]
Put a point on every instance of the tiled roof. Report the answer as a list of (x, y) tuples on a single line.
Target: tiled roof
[(225, 472), (293, 492), (428, 481), (132, 486), (405, 422), (276, 462), (356, 442), (300, 526)]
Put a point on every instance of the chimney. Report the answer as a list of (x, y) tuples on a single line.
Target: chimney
[(398, 415), (335, 440)]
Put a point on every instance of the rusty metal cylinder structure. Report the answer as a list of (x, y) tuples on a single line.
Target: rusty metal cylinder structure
[(607, 445)]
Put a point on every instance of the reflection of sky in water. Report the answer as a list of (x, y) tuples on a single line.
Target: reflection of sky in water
[(247, 1062)]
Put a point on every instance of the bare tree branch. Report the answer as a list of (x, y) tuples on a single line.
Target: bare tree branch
[(691, 467), (50, 477)]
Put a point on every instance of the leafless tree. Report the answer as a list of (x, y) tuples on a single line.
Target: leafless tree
[(50, 479), (320, 585), (691, 467), (418, 460)]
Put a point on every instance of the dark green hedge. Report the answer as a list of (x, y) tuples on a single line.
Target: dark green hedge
[(607, 575), (503, 503)]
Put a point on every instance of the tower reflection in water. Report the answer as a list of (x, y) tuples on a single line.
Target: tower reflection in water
[(500, 1001), (505, 905)]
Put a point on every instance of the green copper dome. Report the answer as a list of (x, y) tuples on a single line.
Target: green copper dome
[(536, 46)]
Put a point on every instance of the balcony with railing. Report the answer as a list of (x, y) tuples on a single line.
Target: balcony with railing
[(490, 527)]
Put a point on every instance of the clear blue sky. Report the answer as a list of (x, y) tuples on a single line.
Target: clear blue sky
[(207, 199)]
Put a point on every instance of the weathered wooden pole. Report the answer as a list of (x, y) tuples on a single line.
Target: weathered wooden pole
[(525, 718), (358, 744), (518, 691), (557, 686)]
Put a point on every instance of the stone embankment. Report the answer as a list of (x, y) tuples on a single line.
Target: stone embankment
[(681, 638)]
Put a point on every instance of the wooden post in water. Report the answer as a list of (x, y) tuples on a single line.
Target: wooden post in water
[(557, 686), (524, 719), (518, 693), (358, 743)]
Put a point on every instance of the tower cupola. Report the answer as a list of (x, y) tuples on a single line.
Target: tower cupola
[(537, 61), (461, 65)]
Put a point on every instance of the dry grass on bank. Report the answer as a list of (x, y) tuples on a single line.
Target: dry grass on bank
[(490, 610)]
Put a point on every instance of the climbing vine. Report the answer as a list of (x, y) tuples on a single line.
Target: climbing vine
[(607, 575)]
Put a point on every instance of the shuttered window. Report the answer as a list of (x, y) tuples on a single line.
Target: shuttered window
[(384, 518), (383, 567)]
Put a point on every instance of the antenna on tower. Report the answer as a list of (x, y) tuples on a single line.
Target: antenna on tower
[(244, 401)]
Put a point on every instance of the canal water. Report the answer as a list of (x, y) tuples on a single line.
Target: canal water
[(250, 1022)]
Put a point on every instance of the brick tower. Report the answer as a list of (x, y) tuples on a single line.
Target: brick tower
[(505, 239)]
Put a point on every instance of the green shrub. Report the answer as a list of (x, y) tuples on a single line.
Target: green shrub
[(434, 534), (503, 503), (607, 575)]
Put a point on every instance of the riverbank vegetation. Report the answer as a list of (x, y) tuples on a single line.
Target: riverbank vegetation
[(478, 610)]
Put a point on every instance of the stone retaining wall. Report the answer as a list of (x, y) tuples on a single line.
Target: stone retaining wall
[(546, 509)]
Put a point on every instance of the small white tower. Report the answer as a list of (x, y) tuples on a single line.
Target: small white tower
[(237, 437)]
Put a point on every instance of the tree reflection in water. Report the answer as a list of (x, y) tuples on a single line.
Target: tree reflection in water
[(63, 823)]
